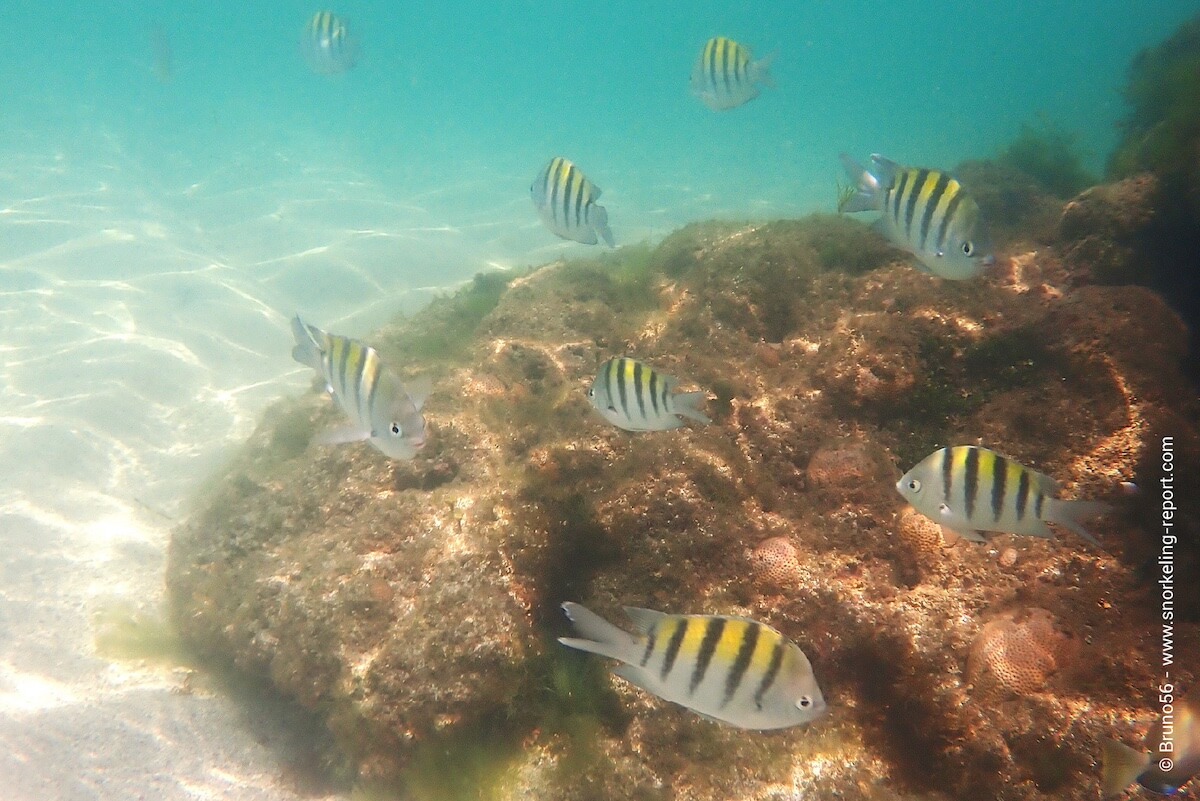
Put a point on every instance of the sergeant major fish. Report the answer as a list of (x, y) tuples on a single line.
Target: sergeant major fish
[(636, 397), (926, 212), (1181, 735), (327, 45), (380, 409), (566, 202), (730, 669), (970, 489), (725, 76)]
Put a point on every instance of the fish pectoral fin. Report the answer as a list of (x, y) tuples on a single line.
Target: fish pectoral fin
[(1121, 766), (974, 535), (342, 434)]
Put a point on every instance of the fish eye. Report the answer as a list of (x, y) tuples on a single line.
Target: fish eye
[(804, 702), (395, 429), (914, 484), (591, 392), (968, 248)]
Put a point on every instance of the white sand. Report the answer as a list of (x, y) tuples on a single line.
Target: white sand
[(144, 326)]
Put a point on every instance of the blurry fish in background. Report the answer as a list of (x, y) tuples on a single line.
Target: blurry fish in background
[(926, 212), (566, 202), (380, 409), (731, 669), (636, 397), (160, 50), (1159, 769), (725, 76), (970, 489), (328, 45)]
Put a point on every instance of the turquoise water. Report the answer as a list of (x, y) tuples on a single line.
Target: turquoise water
[(156, 235)]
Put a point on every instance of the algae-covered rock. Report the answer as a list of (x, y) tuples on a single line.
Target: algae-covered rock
[(414, 605)]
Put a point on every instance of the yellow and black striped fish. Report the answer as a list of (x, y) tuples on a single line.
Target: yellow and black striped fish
[(327, 45), (566, 202), (726, 76), (926, 212), (970, 489), (380, 409), (731, 669), (636, 397)]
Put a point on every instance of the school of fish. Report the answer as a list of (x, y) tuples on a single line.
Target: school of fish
[(731, 669)]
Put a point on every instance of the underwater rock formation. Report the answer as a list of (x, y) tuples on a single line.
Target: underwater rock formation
[(414, 605)]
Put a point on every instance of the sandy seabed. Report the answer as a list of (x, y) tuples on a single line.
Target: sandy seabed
[(143, 327)]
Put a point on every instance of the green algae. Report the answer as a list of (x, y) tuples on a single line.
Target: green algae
[(1050, 156), (123, 630), (446, 328), (1162, 127)]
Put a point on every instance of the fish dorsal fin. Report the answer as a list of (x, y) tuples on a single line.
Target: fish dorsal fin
[(644, 619), (884, 169), (1047, 485)]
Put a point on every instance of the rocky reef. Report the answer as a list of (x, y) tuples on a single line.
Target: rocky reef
[(413, 606)]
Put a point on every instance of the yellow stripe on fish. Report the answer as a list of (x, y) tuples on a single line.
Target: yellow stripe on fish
[(380, 409), (566, 202), (971, 489), (926, 212), (636, 397), (725, 76), (731, 669)]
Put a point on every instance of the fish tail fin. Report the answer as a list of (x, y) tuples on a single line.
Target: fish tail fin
[(307, 350), (600, 223), (762, 70), (866, 195), (1121, 767), (1071, 514), (691, 405), (598, 636)]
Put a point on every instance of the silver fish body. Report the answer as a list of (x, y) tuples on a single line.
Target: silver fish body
[(731, 669), (1122, 765), (566, 203), (380, 409), (970, 489), (636, 397), (327, 45), (726, 76), (926, 212)]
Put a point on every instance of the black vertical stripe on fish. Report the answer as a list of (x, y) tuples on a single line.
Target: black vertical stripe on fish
[(910, 207), (899, 197), (665, 389), (971, 481), (726, 57), (944, 228), (622, 389), (654, 392), (740, 663), (947, 473), (939, 189), (673, 648), (341, 346), (999, 486), (552, 179), (651, 639), (608, 382), (638, 390), (713, 629), (580, 202), (1022, 494), (711, 61), (772, 672), (1037, 505), (567, 191)]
